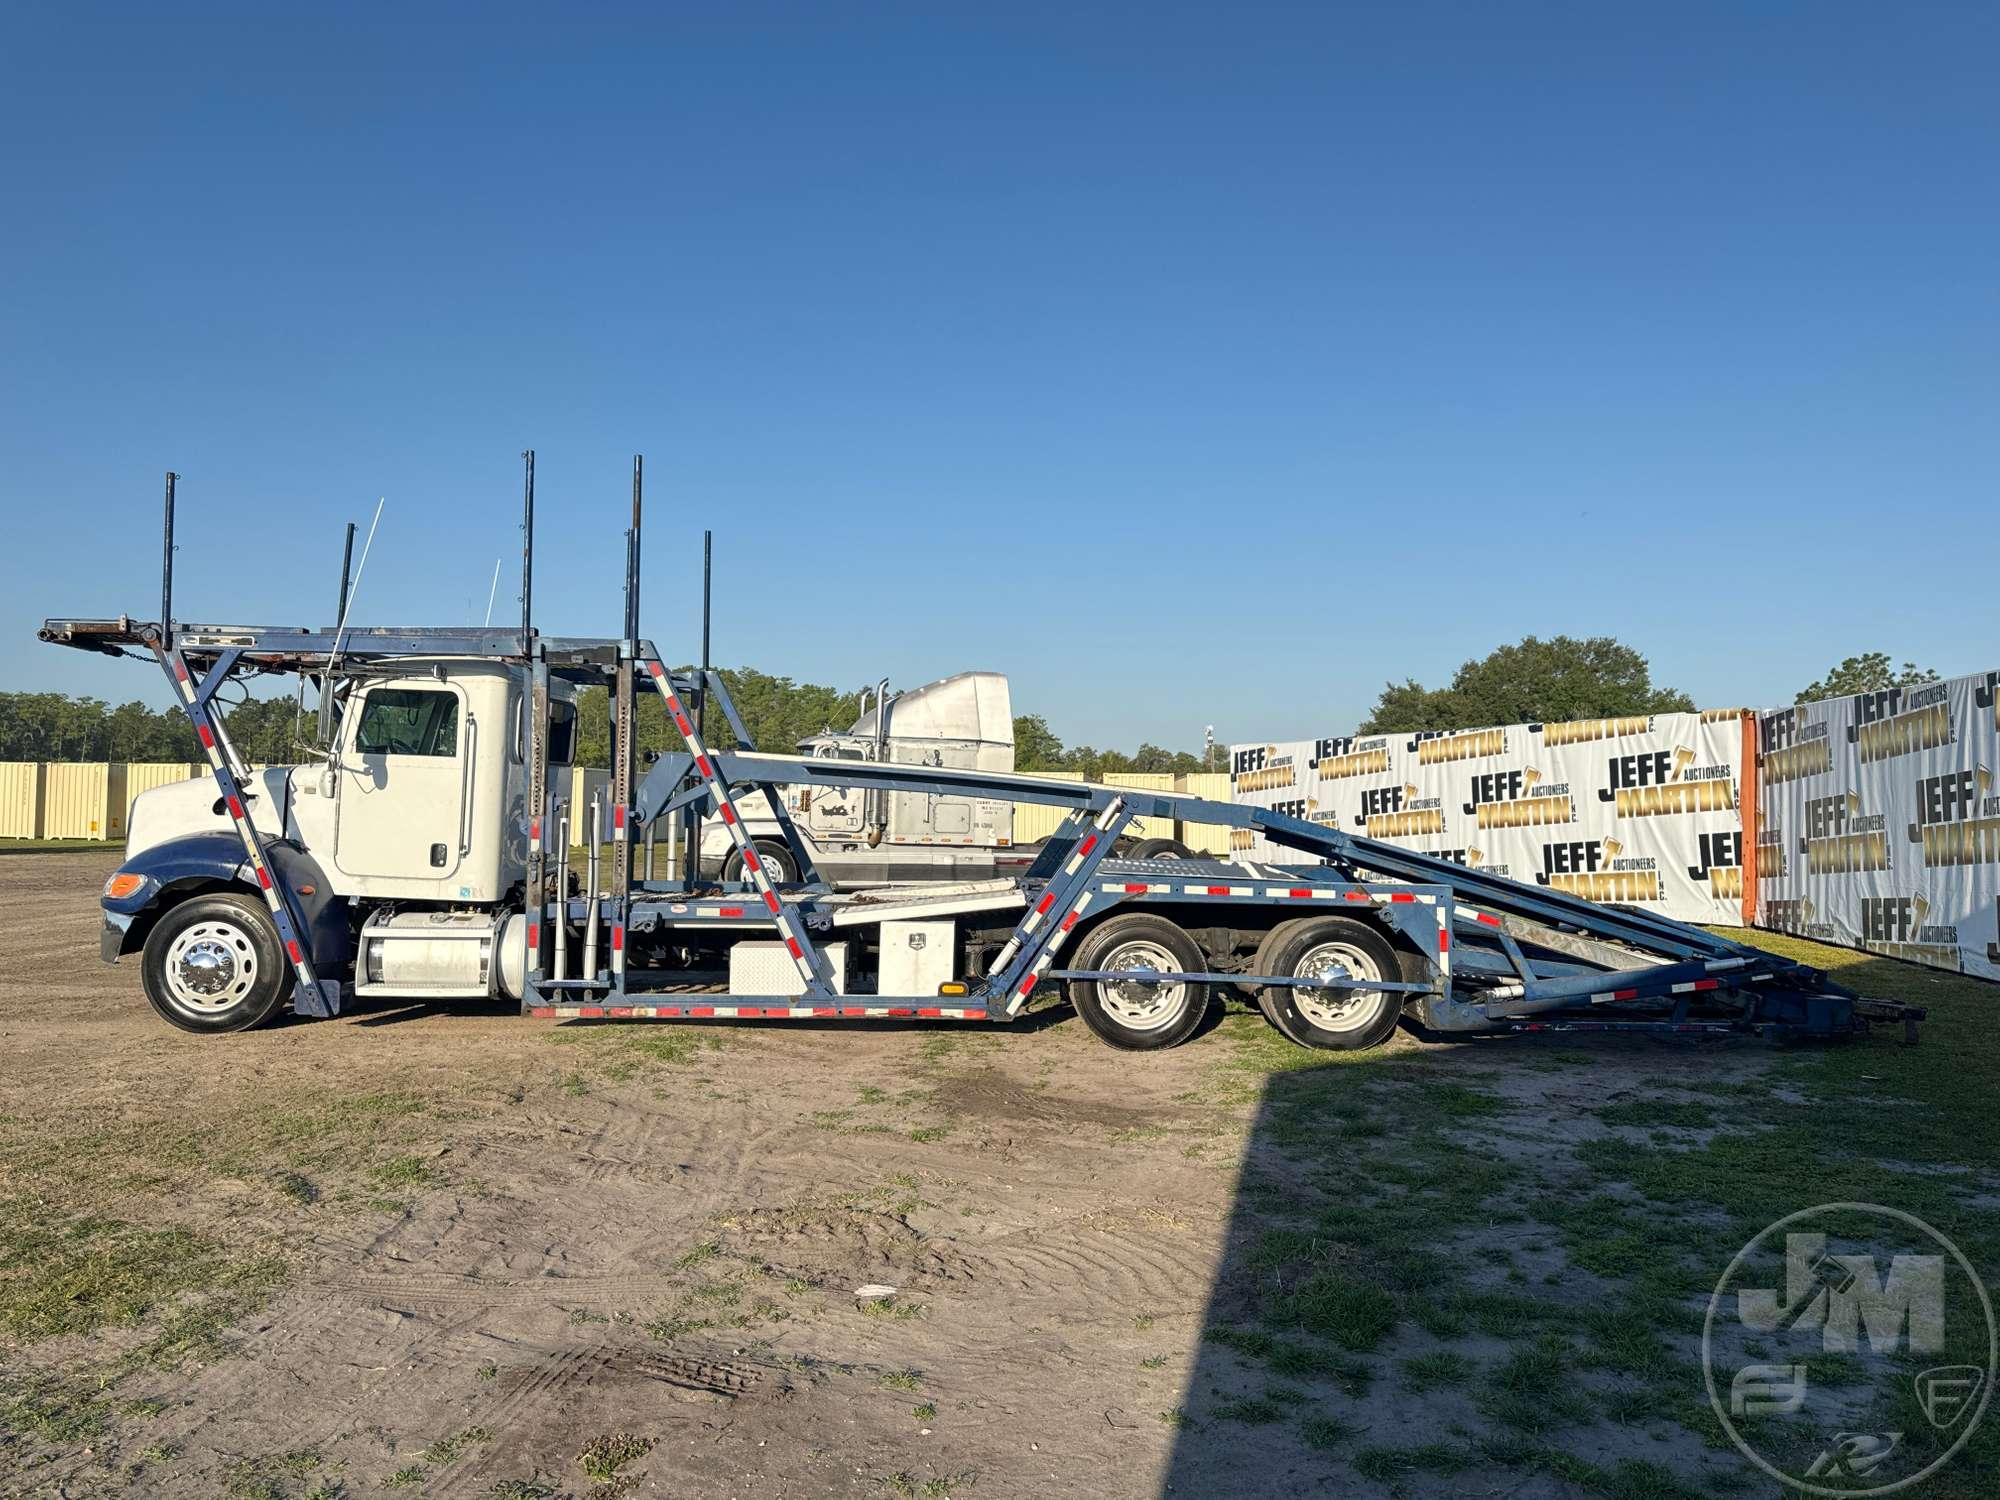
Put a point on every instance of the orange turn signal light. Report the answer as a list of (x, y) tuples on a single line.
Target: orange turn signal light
[(121, 885), (953, 989)]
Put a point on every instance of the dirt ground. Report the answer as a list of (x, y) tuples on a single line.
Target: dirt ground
[(477, 1255)]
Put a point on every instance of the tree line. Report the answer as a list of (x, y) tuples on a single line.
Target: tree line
[(777, 711), (1530, 681)]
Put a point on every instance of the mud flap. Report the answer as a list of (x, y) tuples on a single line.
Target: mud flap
[(319, 1000)]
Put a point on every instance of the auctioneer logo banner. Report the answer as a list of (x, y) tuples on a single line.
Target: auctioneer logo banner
[(1643, 810), (1883, 811)]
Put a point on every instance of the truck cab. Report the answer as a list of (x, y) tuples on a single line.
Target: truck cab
[(858, 838), (418, 808)]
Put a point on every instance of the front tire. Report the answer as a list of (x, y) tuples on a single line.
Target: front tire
[(1161, 849), (1133, 1014), (772, 855), (213, 964), (1339, 1020)]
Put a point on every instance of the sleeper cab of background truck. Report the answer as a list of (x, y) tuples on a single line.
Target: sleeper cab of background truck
[(964, 722)]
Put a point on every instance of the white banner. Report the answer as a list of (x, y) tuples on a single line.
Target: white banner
[(1642, 811), (1879, 823)]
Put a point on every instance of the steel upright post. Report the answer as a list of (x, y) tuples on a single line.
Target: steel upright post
[(346, 580), (167, 569)]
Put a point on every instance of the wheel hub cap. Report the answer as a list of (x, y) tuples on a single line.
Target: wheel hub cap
[(207, 967), (210, 968), (1139, 1004), (1334, 1009)]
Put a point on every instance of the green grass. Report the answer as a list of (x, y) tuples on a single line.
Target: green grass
[(602, 1457), (1442, 1369), (76, 1275), (1255, 1411), (448, 1449), (1686, 1115), (1387, 1465), (1370, 1175), (405, 1171)]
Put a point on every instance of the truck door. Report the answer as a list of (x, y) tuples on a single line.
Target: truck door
[(834, 812), (925, 818), (403, 792)]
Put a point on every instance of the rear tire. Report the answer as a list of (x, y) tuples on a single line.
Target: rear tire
[(1161, 849), (213, 964), (1335, 1019), (772, 855), (1132, 1014)]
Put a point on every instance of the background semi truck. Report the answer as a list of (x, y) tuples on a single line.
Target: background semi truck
[(859, 837)]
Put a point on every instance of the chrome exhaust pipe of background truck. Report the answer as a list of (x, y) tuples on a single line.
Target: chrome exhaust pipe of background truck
[(878, 800), (562, 892), (590, 896)]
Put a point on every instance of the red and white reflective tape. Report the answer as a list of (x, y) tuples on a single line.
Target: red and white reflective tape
[(1690, 988), (253, 849), (1025, 929), (1218, 890), (1083, 848), (755, 1012), (1444, 944), (1041, 965)]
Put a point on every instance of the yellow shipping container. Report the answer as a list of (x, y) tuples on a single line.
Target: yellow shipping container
[(584, 781), (1205, 838), (86, 801), (23, 798), (144, 775), (1034, 821), (1146, 781)]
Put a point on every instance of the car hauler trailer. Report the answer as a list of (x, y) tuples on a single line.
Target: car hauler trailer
[(428, 857)]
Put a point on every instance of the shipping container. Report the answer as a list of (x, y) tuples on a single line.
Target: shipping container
[(23, 799), (584, 783), (86, 800), (1205, 838), (1146, 781), (144, 775), (1034, 821)]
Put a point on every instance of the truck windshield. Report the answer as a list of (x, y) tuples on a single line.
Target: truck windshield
[(408, 721)]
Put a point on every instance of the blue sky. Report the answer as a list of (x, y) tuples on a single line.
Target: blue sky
[(1194, 365)]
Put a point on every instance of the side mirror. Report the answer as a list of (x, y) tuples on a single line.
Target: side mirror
[(329, 781)]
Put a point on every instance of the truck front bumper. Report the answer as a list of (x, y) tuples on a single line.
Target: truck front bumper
[(111, 943)]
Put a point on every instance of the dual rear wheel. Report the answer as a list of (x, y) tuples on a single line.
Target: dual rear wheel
[(1143, 1015)]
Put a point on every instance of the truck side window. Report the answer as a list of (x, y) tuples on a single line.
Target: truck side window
[(562, 732), (408, 721)]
